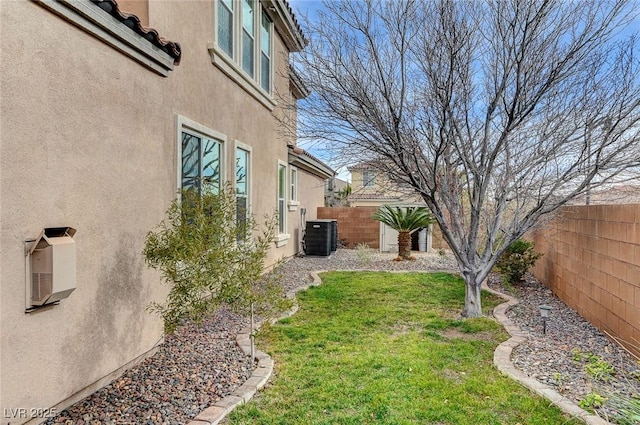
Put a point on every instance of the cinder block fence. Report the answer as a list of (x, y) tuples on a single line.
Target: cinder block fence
[(355, 225), (592, 262)]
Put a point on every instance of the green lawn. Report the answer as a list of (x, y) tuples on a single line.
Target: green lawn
[(387, 348)]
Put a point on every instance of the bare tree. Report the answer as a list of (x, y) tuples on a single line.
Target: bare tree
[(496, 113)]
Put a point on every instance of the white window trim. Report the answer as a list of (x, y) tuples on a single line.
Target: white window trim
[(184, 123), (247, 148), (282, 238), (232, 66), (293, 202)]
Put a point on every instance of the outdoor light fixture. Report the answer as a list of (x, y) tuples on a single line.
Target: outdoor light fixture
[(544, 313)]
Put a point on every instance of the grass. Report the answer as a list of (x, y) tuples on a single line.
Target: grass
[(382, 348)]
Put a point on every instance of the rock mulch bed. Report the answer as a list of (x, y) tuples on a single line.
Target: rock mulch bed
[(561, 357), (192, 369), (195, 367)]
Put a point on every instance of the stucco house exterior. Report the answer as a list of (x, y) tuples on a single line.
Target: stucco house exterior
[(102, 121)]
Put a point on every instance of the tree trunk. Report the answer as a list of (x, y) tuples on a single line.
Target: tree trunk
[(472, 300), (404, 245)]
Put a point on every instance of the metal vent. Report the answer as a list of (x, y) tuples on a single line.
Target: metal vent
[(42, 287)]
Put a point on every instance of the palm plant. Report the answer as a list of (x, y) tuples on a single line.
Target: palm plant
[(405, 221)]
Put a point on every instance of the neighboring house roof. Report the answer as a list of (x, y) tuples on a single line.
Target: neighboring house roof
[(373, 197), (133, 22), (304, 160), (365, 165)]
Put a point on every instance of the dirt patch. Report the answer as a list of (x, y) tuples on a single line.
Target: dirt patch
[(453, 333)]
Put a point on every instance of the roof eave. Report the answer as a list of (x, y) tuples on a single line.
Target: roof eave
[(286, 24), (299, 90), (303, 160)]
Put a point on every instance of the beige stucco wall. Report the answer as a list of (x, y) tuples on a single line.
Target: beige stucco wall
[(310, 189), (82, 144), (206, 95), (89, 140)]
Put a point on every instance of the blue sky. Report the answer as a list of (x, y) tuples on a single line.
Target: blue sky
[(309, 8), (303, 7)]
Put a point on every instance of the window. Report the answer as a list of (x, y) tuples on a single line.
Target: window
[(243, 48), (282, 184), (248, 36), (225, 26), (200, 162), (293, 185), (200, 156), (368, 178), (265, 53), (242, 184)]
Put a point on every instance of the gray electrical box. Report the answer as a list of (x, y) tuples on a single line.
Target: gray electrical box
[(53, 265)]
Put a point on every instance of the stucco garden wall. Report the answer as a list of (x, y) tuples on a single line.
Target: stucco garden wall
[(592, 262)]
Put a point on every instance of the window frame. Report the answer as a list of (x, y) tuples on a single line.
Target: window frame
[(232, 65), (252, 36), (371, 182), (232, 11), (281, 203), (246, 148), (192, 127), (293, 188)]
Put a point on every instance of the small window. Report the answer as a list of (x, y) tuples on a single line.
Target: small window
[(225, 26), (242, 185), (248, 36), (293, 185), (282, 184), (200, 162), (265, 53), (368, 178)]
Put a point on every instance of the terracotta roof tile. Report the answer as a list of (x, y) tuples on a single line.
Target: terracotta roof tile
[(133, 22)]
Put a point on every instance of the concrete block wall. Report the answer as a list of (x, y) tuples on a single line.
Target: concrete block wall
[(355, 225), (592, 262)]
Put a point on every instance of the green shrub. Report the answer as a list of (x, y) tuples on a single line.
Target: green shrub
[(519, 257), (208, 256)]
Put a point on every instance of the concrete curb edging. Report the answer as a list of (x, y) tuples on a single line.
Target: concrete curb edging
[(212, 415), (502, 361)]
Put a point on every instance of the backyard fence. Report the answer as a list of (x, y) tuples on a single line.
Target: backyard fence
[(356, 226), (592, 262)]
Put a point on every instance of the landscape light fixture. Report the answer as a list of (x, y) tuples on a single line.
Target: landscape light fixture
[(544, 313)]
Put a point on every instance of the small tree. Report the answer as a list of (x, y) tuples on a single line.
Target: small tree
[(210, 255), (405, 221), (496, 113)]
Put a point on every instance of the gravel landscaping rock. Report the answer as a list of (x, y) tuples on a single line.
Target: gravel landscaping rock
[(560, 358), (195, 367)]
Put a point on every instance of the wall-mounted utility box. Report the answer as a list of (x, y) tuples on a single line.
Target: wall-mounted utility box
[(52, 260)]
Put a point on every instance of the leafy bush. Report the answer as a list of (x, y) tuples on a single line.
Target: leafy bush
[(519, 257), (209, 256)]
